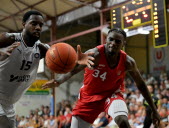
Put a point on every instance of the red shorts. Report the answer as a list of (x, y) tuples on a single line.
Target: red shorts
[(88, 111)]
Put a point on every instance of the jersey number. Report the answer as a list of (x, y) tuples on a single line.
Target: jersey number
[(97, 74), (26, 65)]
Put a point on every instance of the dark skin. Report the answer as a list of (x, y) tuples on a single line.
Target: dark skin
[(114, 42)]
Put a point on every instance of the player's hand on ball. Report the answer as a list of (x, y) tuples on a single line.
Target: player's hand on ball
[(84, 58), (50, 84)]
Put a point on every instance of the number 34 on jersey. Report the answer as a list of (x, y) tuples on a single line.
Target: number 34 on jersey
[(97, 74)]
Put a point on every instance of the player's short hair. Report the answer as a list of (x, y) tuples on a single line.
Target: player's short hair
[(118, 30), (29, 13)]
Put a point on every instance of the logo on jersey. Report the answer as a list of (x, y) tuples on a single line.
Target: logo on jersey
[(23, 78), (101, 65), (37, 55)]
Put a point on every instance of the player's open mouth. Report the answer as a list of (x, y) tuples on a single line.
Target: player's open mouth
[(37, 34)]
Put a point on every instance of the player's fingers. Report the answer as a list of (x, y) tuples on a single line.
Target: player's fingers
[(15, 46), (7, 53), (44, 86), (90, 53), (91, 58), (79, 49), (90, 62), (10, 50), (16, 43), (89, 66)]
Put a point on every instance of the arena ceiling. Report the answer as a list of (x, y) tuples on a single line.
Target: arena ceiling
[(11, 11)]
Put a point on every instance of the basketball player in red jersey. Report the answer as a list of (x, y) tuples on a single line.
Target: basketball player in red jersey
[(103, 86)]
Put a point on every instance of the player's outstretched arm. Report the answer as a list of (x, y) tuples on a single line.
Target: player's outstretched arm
[(62, 78), (135, 74), (85, 58)]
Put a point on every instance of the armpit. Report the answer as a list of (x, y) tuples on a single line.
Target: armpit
[(130, 63)]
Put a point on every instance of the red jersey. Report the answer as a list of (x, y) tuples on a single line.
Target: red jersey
[(102, 81)]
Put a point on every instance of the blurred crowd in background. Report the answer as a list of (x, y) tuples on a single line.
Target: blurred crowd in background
[(43, 118)]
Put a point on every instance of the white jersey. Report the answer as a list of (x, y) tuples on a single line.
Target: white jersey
[(18, 71)]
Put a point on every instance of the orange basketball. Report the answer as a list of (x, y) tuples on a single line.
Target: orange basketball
[(61, 58)]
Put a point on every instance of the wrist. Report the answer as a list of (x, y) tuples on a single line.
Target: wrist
[(57, 82)]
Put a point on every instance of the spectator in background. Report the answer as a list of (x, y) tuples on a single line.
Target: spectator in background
[(31, 121), (22, 122), (102, 122), (166, 84), (165, 102), (132, 119), (61, 119), (132, 109), (139, 97), (156, 89), (150, 79), (140, 116), (46, 110), (46, 121), (167, 93), (18, 119), (41, 112), (68, 116), (130, 85), (164, 116), (52, 123), (163, 75)]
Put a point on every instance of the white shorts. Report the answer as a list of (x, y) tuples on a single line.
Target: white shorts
[(117, 107)]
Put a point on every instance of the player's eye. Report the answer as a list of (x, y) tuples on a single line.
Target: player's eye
[(34, 24), (111, 39), (118, 41), (40, 24)]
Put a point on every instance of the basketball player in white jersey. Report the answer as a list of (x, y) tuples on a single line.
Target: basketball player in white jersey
[(19, 59)]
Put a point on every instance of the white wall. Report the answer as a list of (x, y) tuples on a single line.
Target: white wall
[(31, 102)]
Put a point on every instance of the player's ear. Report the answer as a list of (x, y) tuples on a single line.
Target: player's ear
[(124, 43), (23, 23)]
